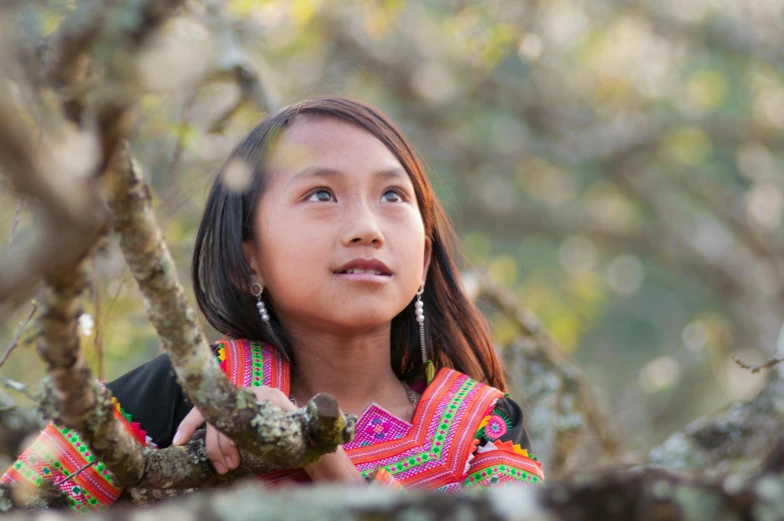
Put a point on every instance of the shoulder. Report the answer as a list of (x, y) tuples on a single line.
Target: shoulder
[(156, 371), (503, 449), (252, 363)]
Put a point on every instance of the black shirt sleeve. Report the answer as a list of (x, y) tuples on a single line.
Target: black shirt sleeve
[(151, 395)]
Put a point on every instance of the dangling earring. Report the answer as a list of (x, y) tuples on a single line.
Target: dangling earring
[(420, 317), (256, 289)]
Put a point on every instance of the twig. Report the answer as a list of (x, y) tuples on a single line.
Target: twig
[(17, 217), (172, 179), (72, 476), (18, 387), (19, 330), (98, 339), (220, 122), (756, 368)]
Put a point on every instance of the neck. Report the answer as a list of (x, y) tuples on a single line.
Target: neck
[(355, 369)]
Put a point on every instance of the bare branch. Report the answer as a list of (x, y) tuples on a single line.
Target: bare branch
[(72, 214), (233, 411), (79, 471), (98, 339), (15, 223), (19, 387), (634, 495), (736, 438), (76, 399), (173, 175), (757, 368), (18, 333), (562, 413)]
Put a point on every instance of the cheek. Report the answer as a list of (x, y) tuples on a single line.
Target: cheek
[(292, 257)]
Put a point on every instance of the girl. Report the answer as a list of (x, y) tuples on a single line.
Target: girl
[(324, 258)]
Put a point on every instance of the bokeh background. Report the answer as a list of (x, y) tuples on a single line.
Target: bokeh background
[(615, 165)]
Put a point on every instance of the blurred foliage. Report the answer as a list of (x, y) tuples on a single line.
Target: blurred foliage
[(615, 164)]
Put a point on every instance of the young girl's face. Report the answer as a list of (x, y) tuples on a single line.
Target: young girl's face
[(336, 194)]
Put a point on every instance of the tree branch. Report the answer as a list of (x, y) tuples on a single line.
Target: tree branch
[(19, 330), (734, 439), (234, 412), (562, 410), (637, 495)]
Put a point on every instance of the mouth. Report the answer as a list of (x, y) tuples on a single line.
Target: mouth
[(358, 275), (366, 270)]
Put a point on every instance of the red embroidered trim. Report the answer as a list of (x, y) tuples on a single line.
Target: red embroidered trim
[(448, 465)]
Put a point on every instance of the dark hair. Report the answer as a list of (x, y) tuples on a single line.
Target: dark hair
[(457, 333)]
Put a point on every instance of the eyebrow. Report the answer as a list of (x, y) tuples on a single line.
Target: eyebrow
[(317, 171)]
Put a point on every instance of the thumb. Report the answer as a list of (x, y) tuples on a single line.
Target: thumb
[(188, 426)]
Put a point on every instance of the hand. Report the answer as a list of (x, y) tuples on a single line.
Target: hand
[(221, 450), (336, 467)]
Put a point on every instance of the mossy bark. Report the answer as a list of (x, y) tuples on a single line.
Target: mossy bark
[(649, 495), (257, 427)]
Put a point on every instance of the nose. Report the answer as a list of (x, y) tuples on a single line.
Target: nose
[(361, 226)]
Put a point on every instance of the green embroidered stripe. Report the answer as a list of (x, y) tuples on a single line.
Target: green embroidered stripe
[(256, 364), (28, 472), (73, 439), (496, 471), (51, 462), (435, 452)]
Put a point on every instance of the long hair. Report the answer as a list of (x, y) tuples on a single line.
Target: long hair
[(456, 333)]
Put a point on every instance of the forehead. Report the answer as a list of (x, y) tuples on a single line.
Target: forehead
[(328, 143)]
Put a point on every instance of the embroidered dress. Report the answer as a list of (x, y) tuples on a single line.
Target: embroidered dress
[(463, 433)]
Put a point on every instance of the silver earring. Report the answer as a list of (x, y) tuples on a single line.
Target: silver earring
[(256, 289), (420, 318)]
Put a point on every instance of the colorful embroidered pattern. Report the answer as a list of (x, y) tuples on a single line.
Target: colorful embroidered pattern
[(134, 428), (253, 364), (376, 425), (499, 466), (432, 452), (55, 455), (437, 451), (494, 426), (496, 474), (59, 452), (501, 462), (384, 478)]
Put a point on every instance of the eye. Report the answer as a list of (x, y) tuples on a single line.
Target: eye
[(321, 195), (396, 196)]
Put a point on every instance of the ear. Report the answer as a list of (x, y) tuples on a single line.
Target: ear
[(428, 256), (249, 249)]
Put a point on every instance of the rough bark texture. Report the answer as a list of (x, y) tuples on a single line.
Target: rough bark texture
[(560, 408), (235, 412), (267, 438), (48, 495), (76, 399), (16, 424), (623, 496), (735, 439)]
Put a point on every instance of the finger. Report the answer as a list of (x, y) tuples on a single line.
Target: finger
[(274, 396), (230, 453), (213, 450), (192, 421)]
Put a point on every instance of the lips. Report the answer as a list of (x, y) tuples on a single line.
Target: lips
[(364, 266)]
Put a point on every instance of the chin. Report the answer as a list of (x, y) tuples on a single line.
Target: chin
[(365, 319)]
